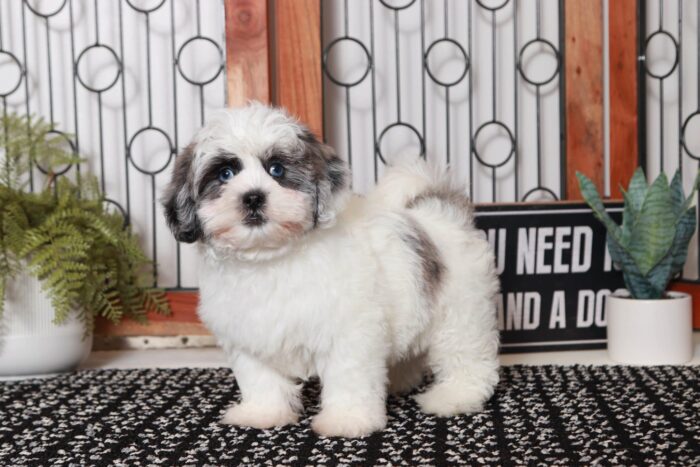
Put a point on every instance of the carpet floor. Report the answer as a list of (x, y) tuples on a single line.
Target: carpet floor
[(539, 415)]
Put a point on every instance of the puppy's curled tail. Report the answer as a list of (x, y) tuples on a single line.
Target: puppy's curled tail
[(409, 179)]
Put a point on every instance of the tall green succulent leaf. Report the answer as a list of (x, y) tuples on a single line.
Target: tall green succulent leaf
[(673, 262), (684, 231), (637, 190), (591, 196), (653, 231), (691, 197), (636, 282), (677, 195), (658, 222)]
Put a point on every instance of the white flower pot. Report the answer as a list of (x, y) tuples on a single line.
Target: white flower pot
[(30, 343), (650, 332)]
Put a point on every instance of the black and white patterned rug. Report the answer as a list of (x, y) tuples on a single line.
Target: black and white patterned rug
[(539, 414)]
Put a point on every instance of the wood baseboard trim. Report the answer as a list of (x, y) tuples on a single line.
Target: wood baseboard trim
[(182, 322)]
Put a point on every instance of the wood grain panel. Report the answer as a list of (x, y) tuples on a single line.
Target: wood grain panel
[(584, 92), (183, 321), (624, 150), (297, 52), (694, 291), (247, 57)]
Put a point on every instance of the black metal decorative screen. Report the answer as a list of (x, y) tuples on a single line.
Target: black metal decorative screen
[(126, 83), (473, 84), (669, 122)]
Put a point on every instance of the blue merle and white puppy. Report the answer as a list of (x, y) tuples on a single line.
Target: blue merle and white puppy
[(299, 279)]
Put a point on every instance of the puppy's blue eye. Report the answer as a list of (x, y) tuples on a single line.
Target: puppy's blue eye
[(225, 174), (276, 170)]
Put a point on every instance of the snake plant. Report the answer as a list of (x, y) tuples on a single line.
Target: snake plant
[(651, 245)]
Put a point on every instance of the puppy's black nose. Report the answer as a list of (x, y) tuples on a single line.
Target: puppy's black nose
[(253, 200)]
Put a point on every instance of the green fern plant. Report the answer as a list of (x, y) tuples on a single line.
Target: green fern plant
[(651, 245), (64, 235)]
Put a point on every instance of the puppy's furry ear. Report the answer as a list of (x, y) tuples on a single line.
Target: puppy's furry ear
[(332, 178), (180, 207)]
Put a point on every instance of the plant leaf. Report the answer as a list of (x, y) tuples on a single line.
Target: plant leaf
[(677, 195), (652, 233), (591, 196), (689, 200), (637, 190), (635, 281)]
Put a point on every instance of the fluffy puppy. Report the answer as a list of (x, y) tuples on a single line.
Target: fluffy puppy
[(300, 279)]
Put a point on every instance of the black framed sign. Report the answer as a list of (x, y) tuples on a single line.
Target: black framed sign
[(555, 273)]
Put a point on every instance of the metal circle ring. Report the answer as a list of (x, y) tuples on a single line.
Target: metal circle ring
[(13, 59), (170, 148), (465, 58), (145, 10), (661, 32), (182, 72), (521, 69), (542, 189), (120, 209), (116, 60), (510, 137), (690, 117), (44, 15), (399, 124), (492, 8), (397, 8), (72, 147), (327, 71)]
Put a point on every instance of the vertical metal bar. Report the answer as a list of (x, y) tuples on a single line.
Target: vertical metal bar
[(538, 106), (493, 64), (661, 126), (447, 97), (348, 125), (397, 46), (641, 79), (176, 139), (49, 71), (324, 115), (562, 102), (680, 84), (374, 92), (124, 119), (422, 54), (471, 103), (148, 70), (516, 119), (154, 236), (76, 130), (26, 89)]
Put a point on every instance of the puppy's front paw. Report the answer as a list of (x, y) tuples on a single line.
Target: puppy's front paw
[(258, 416), (348, 422), (446, 400)]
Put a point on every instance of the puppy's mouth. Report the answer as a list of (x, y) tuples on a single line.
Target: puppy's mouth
[(254, 219)]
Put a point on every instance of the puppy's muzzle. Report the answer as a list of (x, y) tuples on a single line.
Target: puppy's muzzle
[(254, 202)]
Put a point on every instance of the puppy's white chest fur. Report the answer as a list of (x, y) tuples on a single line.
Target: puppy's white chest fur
[(288, 311)]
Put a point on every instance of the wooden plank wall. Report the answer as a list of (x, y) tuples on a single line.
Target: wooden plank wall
[(247, 52), (624, 148), (297, 85), (583, 63), (297, 60)]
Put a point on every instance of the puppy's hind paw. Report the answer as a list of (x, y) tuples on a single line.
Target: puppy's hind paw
[(348, 423), (258, 416)]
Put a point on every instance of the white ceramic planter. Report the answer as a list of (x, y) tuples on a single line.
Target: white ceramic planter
[(650, 332), (30, 343)]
